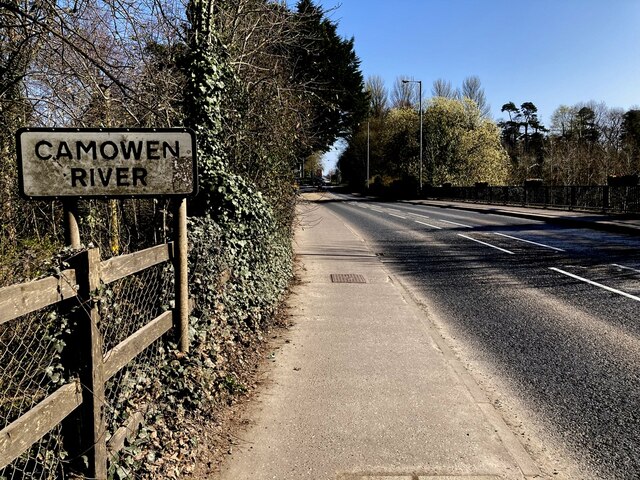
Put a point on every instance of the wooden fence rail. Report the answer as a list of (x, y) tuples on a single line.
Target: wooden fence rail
[(24, 298), (83, 397)]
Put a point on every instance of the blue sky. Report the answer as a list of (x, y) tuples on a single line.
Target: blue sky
[(549, 52)]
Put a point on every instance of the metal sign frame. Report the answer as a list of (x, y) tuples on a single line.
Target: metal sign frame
[(192, 157)]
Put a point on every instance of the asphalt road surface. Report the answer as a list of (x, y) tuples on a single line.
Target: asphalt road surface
[(549, 314)]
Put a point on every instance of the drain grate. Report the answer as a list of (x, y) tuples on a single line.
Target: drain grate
[(347, 278)]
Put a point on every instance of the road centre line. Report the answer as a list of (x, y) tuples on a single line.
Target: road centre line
[(487, 244), (529, 241), (626, 268), (418, 215), (428, 225), (394, 215), (456, 223), (596, 284)]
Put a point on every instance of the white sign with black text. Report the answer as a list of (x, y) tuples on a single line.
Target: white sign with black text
[(106, 162)]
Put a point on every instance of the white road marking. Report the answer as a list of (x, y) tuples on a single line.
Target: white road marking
[(418, 215), (394, 215), (596, 284), (626, 268), (487, 244), (529, 241), (456, 223), (428, 225)]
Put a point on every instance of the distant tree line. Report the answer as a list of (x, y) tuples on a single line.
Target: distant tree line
[(585, 144), (461, 145)]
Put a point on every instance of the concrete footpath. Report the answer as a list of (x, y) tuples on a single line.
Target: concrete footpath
[(365, 388)]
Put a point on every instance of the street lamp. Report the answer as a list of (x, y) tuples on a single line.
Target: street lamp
[(368, 136), (419, 82)]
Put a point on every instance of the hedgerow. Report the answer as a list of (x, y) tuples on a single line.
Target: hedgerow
[(240, 262)]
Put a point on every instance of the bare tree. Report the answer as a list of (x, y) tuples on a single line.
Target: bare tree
[(275, 115), (472, 90), (19, 42), (403, 95), (120, 52), (87, 63), (586, 144), (443, 88), (377, 95), (612, 128)]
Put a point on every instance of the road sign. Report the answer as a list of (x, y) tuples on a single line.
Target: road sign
[(62, 163)]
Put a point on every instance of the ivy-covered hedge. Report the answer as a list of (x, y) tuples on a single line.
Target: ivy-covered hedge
[(240, 264)]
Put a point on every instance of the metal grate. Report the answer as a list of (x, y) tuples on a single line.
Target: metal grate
[(347, 278)]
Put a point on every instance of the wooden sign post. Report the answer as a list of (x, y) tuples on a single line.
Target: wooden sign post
[(71, 164)]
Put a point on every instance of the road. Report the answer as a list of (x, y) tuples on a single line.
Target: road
[(546, 317)]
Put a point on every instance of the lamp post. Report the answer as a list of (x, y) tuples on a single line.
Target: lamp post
[(419, 82), (368, 136)]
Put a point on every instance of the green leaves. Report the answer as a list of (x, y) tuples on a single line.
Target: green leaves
[(328, 67), (460, 146)]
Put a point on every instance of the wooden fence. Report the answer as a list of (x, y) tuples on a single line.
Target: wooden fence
[(84, 396)]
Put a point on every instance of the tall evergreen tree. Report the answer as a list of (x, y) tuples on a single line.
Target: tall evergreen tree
[(328, 67), (631, 132), (511, 127)]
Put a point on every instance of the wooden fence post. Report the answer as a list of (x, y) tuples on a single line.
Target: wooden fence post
[(71, 229), (181, 315), (86, 345)]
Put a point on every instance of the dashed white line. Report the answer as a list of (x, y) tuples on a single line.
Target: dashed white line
[(418, 215), (456, 223), (394, 215), (485, 243), (529, 241), (626, 268), (596, 284), (428, 225)]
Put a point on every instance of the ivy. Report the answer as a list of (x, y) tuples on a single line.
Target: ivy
[(240, 264)]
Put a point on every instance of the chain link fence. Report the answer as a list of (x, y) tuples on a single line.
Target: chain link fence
[(33, 356), (126, 306), (30, 370), (35, 232)]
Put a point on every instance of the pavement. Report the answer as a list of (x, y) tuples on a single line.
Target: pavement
[(365, 387)]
